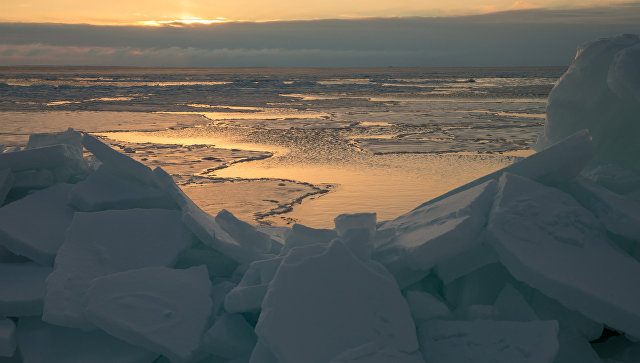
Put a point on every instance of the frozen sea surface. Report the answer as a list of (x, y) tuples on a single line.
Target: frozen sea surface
[(278, 146)]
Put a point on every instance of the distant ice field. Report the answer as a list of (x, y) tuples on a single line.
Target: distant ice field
[(277, 146)]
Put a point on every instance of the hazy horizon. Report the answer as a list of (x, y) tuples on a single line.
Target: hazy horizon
[(530, 37)]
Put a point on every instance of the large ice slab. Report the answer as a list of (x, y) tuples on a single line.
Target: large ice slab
[(205, 226), (7, 337), (546, 239), (425, 306), (374, 353), (34, 226), (436, 232), (599, 92), (69, 137), (446, 341), (6, 182), (105, 190), (39, 342), (324, 301), (47, 157), (619, 215), (230, 337), (245, 234), (302, 235), (345, 222), (162, 309), (250, 292), (22, 289), (557, 163), (512, 306), (103, 243), (118, 163)]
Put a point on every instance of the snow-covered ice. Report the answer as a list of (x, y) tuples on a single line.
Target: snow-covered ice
[(40, 342), (102, 243), (23, 286), (34, 226), (230, 337), (118, 163), (161, 309), (345, 222), (249, 293), (46, 157), (6, 183), (599, 92), (548, 240), (448, 341), (618, 214), (425, 306), (301, 235), (207, 229), (433, 233), (325, 303), (7, 337), (104, 190)]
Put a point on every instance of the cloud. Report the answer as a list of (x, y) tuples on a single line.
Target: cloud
[(522, 37)]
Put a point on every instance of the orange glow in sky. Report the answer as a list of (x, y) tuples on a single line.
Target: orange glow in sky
[(185, 12), (178, 22)]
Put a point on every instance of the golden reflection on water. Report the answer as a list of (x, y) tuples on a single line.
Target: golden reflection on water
[(390, 184), (178, 139), (256, 114), (397, 184)]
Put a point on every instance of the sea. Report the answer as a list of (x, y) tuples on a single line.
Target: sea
[(278, 146)]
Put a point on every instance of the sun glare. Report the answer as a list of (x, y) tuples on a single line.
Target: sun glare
[(184, 21)]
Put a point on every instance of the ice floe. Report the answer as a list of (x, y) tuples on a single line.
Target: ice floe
[(104, 260)]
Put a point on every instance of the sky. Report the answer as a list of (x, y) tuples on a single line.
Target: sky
[(284, 33)]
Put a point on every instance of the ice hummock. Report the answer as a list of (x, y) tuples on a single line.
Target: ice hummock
[(103, 243), (161, 309), (538, 262)]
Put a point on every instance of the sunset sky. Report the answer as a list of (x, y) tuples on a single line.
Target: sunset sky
[(148, 11), (306, 33)]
